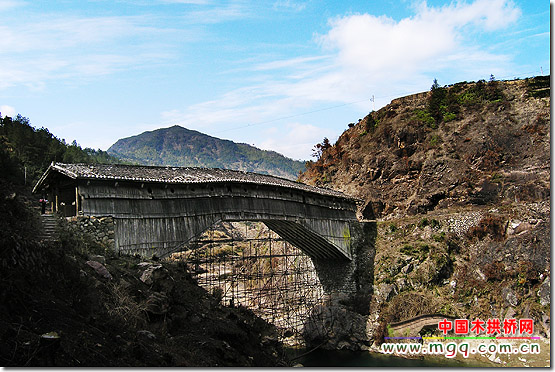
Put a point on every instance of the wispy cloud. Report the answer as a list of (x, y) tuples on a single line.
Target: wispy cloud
[(70, 47), (291, 5), (219, 13), (194, 2), (288, 63), (10, 4)]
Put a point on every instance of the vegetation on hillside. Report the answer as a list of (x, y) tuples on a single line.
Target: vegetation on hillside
[(452, 145), (177, 146), (26, 152)]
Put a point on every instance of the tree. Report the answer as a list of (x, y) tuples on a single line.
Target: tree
[(436, 101), (24, 147), (319, 148)]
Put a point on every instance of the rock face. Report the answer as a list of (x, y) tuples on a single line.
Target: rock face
[(335, 327), (544, 293)]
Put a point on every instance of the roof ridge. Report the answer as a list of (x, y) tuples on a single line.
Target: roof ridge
[(179, 175)]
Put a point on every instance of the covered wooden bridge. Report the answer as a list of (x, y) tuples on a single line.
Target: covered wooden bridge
[(156, 210)]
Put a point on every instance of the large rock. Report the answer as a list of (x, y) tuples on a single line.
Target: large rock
[(100, 269), (335, 327), (151, 273), (383, 292)]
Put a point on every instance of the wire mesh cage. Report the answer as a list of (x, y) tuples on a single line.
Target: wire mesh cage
[(247, 264)]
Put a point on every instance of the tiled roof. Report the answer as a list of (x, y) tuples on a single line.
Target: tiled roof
[(176, 175)]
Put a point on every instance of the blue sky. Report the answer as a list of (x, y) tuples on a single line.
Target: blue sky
[(280, 74)]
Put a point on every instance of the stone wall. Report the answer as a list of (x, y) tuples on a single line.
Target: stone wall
[(99, 230), (348, 286)]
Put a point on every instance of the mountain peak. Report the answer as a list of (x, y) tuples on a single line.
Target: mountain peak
[(179, 146)]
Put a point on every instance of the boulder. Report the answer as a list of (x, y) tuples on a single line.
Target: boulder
[(337, 327), (100, 269), (151, 273)]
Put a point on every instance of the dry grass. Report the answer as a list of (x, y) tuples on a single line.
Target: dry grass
[(123, 306), (409, 305)]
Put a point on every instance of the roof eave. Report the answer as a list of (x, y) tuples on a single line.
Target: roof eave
[(52, 167), (43, 178)]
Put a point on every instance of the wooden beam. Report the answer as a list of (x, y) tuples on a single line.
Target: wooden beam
[(76, 201)]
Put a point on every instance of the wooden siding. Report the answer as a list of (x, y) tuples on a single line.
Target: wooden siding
[(158, 218)]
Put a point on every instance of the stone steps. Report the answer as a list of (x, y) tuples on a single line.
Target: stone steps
[(49, 226)]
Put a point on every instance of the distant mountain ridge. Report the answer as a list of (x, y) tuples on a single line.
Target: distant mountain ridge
[(178, 146)]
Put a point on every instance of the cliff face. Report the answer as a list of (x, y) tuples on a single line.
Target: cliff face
[(458, 180), (491, 144)]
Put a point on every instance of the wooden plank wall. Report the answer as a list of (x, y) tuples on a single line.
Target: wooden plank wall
[(155, 218)]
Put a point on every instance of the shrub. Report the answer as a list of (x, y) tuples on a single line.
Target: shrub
[(424, 117), (495, 271), (493, 226), (449, 116), (434, 140), (435, 224), (124, 307), (423, 222), (439, 237)]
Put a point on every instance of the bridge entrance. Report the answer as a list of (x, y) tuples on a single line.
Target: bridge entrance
[(247, 264)]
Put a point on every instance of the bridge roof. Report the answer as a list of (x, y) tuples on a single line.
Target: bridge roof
[(175, 175)]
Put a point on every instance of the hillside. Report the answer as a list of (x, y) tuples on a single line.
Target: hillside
[(458, 179), (490, 143), (178, 146)]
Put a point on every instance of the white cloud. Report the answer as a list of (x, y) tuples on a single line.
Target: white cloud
[(10, 4), (295, 140), (379, 49), (6, 110)]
